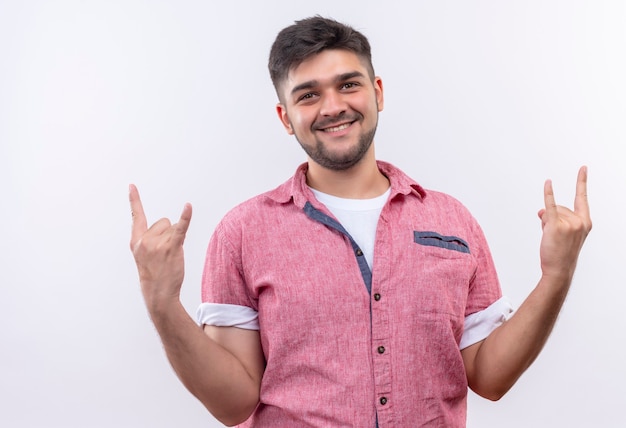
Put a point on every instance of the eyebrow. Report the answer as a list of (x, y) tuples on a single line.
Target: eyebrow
[(340, 78)]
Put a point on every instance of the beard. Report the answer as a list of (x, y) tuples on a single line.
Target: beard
[(319, 153)]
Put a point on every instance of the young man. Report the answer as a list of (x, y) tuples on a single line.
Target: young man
[(349, 295)]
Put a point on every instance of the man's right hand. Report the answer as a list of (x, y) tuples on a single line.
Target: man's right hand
[(158, 253)]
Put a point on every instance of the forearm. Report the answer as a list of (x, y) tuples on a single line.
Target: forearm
[(495, 364), (506, 353), (210, 372), (225, 378)]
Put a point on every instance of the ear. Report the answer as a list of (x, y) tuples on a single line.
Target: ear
[(378, 89), (284, 118)]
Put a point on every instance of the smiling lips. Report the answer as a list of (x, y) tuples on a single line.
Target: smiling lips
[(336, 124), (338, 127)]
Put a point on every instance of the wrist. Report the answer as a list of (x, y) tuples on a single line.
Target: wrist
[(556, 281), (159, 301)]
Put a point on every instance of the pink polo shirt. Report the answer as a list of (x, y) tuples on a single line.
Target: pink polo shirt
[(346, 345)]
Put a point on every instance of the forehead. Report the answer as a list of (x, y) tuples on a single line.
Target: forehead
[(324, 67)]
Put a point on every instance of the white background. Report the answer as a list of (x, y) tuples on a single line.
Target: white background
[(484, 100)]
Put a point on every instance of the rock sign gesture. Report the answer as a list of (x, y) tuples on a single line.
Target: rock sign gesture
[(158, 252), (564, 230)]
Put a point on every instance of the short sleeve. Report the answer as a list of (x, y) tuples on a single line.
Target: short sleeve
[(225, 315), (484, 288), (223, 279), (480, 324)]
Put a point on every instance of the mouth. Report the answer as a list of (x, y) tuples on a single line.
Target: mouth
[(335, 128), (338, 127)]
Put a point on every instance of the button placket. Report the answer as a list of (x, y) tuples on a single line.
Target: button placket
[(381, 328)]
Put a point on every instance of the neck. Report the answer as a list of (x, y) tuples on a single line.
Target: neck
[(362, 181)]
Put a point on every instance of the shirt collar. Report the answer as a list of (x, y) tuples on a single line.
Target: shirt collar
[(296, 189)]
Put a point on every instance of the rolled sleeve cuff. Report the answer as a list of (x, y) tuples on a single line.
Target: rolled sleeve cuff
[(479, 325), (227, 315)]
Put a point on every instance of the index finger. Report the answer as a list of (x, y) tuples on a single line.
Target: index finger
[(140, 224), (581, 203)]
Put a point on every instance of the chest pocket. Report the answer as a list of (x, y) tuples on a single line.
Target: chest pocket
[(435, 239), (445, 269)]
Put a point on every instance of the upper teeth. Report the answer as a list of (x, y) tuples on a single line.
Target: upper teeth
[(337, 128)]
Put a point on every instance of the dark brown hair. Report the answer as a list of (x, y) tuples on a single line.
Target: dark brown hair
[(310, 36)]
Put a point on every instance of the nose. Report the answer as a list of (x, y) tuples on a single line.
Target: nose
[(333, 104)]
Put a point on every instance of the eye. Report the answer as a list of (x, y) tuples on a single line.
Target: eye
[(349, 85), (306, 97)]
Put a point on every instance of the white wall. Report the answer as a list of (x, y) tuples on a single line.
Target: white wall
[(484, 100)]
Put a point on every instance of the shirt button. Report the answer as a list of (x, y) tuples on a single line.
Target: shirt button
[(359, 252), (381, 349), (377, 297), (383, 400)]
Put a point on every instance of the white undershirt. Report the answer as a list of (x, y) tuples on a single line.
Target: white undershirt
[(358, 216)]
